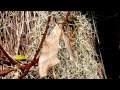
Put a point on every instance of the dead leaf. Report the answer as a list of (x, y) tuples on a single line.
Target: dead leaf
[(44, 67), (48, 58), (72, 53)]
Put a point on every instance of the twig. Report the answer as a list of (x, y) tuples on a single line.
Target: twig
[(3, 72), (8, 56), (43, 38), (25, 73), (27, 67)]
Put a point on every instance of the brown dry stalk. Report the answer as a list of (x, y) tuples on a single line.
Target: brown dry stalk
[(3, 72), (24, 74), (19, 32)]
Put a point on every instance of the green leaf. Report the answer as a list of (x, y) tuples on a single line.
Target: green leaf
[(19, 57)]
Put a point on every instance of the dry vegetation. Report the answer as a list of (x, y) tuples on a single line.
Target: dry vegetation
[(21, 33)]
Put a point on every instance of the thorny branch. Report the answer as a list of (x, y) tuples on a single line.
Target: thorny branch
[(25, 73), (33, 62)]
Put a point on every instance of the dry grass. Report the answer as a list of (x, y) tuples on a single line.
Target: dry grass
[(21, 32)]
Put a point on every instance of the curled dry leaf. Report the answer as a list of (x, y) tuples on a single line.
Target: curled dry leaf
[(73, 56), (44, 67), (48, 58)]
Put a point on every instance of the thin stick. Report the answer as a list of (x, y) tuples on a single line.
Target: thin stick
[(3, 72), (43, 38), (24, 74)]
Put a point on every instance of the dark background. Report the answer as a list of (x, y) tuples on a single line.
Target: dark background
[(108, 27)]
